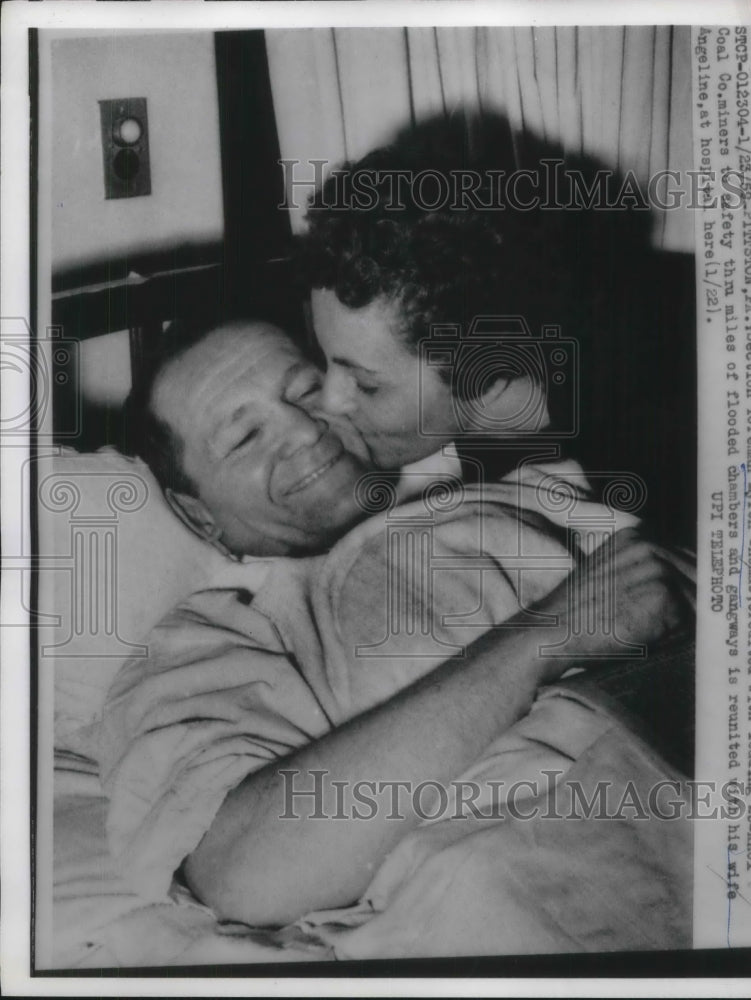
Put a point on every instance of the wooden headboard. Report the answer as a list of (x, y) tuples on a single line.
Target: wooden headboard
[(143, 305), (140, 305)]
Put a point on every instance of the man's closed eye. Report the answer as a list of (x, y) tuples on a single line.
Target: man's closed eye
[(246, 439), (368, 390)]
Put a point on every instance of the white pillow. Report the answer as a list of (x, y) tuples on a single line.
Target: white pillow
[(113, 560)]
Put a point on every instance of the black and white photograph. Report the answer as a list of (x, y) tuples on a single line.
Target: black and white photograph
[(353, 429)]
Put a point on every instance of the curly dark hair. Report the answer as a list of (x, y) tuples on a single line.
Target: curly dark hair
[(440, 261)]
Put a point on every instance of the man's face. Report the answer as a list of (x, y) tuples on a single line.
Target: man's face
[(371, 378), (275, 478)]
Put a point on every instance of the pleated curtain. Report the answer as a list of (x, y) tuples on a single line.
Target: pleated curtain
[(620, 94)]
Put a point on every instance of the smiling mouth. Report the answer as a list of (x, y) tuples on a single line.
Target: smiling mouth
[(306, 481)]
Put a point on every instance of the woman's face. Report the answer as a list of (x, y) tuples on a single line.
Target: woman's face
[(401, 407)]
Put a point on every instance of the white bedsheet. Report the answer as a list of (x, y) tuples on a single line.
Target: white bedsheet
[(100, 923)]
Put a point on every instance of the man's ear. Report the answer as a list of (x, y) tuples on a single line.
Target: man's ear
[(196, 515), (193, 513)]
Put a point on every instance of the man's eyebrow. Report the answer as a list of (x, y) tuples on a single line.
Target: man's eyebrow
[(346, 363), (217, 435)]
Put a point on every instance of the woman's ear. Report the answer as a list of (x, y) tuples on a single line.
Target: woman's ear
[(518, 404), (492, 396)]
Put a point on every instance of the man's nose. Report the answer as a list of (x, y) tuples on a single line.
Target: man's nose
[(337, 393), (300, 430)]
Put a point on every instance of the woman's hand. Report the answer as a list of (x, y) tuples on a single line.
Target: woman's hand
[(629, 591)]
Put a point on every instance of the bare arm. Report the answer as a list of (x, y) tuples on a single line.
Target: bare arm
[(254, 866)]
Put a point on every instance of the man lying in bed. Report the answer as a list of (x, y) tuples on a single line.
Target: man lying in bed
[(270, 675)]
